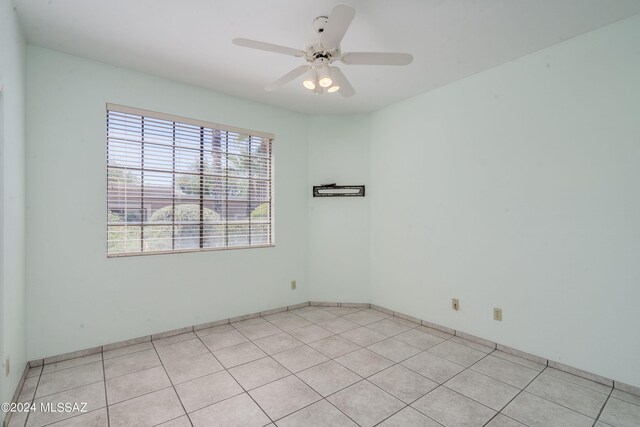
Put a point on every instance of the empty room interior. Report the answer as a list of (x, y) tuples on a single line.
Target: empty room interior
[(320, 213)]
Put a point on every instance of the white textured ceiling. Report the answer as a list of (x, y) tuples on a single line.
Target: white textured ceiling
[(190, 40)]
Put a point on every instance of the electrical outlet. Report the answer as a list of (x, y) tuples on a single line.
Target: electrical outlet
[(497, 314), (7, 367), (455, 304), (293, 284)]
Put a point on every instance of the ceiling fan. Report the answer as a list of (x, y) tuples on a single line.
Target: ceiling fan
[(322, 51)]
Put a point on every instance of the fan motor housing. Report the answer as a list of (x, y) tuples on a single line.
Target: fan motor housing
[(316, 54)]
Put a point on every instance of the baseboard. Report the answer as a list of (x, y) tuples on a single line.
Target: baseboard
[(436, 328), (16, 394), (534, 358), (165, 334)]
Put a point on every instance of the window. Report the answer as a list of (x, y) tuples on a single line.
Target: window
[(179, 185)]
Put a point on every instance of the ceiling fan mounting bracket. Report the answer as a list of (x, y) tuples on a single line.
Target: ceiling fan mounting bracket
[(320, 23)]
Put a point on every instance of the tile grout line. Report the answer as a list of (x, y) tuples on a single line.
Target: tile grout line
[(575, 383), (347, 368), (79, 414), (449, 379), (69, 389), (498, 352), (33, 399), (560, 404), (106, 396), (521, 390), (324, 398), (507, 416), (320, 400), (143, 394), (405, 405), (622, 400), (333, 334), (423, 351), (126, 354), (246, 391), (499, 380), (312, 366), (172, 419), (70, 418), (443, 384), (411, 407), (314, 305), (386, 337), (603, 406), (91, 383), (171, 382), (150, 337), (329, 359), (80, 386), (82, 413), (71, 367), (234, 378), (514, 398), (249, 340)]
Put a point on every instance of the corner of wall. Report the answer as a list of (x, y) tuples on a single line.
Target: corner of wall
[(12, 216), (339, 227)]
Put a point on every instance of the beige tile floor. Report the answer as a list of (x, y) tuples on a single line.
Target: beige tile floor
[(313, 366)]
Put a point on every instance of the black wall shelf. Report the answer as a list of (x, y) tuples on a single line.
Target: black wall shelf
[(333, 190)]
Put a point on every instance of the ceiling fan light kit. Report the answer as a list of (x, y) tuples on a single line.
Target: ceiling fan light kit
[(335, 86), (324, 50), (311, 80), (324, 76)]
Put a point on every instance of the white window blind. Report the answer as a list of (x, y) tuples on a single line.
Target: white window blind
[(177, 184)]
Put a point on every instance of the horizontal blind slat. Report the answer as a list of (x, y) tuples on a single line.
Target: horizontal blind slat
[(167, 117), (174, 183)]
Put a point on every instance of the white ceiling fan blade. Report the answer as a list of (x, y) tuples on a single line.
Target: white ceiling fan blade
[(346, 89), (338, 22), (376, 58), (291, 75), (254, 44)]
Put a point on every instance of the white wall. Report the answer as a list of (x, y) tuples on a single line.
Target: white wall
[(519, 188), (514, 188), (12, 200), (77, 297), (339, 227)]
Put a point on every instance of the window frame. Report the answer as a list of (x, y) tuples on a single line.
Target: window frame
[(111, 107)]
